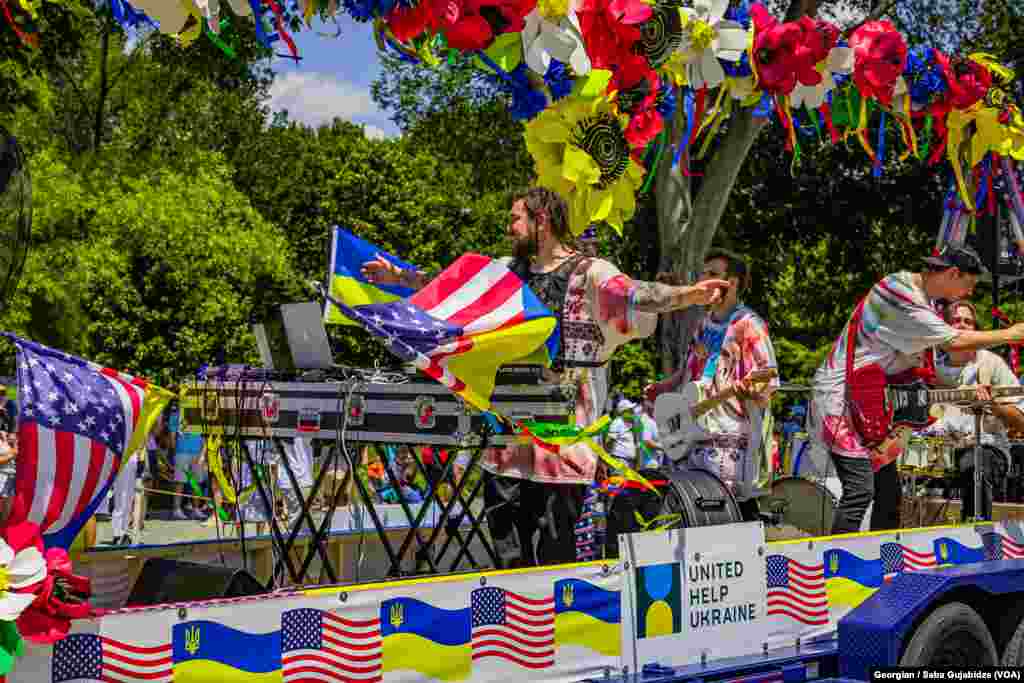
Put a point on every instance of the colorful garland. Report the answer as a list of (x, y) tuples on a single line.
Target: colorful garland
[(592, 80)]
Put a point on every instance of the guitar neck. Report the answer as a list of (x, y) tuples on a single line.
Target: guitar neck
[(960, 395)]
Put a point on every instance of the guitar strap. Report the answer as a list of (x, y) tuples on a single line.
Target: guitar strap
[(713, 341)]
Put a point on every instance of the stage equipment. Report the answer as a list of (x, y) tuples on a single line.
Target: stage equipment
[(684, 499), (370, 406), (164, 580), (803, 503)]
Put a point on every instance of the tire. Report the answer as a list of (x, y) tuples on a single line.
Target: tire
[(955, 636), (1013, 655)]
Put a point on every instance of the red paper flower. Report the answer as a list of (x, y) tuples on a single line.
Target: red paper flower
[(643, 128), (817, 40), (60, 597), (409, 22), (775, 51), (880, 55), (968, 80), (610, 28)]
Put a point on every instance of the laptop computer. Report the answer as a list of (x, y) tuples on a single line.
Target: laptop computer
[(294, 339)]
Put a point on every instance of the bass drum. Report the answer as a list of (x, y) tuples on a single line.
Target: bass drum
[(804, 504), (697, 496)]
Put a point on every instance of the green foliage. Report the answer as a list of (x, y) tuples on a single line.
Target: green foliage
[(157, 271)]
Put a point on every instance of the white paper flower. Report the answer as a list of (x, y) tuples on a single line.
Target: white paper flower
[(706, 39), (839, 61), (18, 571), (561, 40), (171, 15)]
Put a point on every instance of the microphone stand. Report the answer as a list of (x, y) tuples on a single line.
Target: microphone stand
[(978, 409)]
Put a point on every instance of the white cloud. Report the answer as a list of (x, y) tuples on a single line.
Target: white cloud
[(317, 98), (374, 132)]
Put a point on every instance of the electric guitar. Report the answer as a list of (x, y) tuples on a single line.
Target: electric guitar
[(682, 416), (911, 406)]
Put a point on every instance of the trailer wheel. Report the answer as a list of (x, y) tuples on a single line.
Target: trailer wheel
[(1014, 653), (952, 636)]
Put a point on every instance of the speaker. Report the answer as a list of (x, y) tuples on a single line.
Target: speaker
[(162, 580)]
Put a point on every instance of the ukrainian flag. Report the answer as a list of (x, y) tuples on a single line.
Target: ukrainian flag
[(209, 652), (346, 282), (949, 552), (850, 579), (429, 640), (588, 616)]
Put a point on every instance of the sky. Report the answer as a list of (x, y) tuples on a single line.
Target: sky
[(333, 78)]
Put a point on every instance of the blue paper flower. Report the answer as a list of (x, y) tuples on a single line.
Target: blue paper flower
[(924, 76), (740, 14), (526, 102), (365, 10), (558, 80), (665, 104), (737, 69)]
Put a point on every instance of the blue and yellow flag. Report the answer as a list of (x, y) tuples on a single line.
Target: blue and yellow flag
[(208, 651), (588, 616), (850, 579), (949, 551), (429, 640), (345, 280)]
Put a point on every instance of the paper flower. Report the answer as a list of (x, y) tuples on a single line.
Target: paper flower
[(52, 595), (967, 80), (880, 56), (635, 86), (820, 59), (708, 37), (407, 23), (580, 149), (662, 34), (924, 77), (611, 28), (554, 37), (775, 52), (18, 570)]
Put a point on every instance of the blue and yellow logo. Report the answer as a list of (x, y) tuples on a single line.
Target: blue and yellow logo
[(659, 608)]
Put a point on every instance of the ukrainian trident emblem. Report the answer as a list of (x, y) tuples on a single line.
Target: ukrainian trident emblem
[(192, 640), (396, 615), (833, 563), (567, 595), (944, 551)]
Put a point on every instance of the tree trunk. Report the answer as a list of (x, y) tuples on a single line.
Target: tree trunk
[(101, 99), (687, 224)]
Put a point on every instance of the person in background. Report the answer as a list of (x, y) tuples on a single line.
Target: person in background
[(188, 450), (8, 471)]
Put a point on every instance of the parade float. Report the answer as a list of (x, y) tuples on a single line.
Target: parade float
[(599, 83)]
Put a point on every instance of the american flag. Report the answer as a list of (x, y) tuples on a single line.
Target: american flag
[(320, 646), (999, 547), (477, 311), (84, 657), (76, 421), (797, 591), (897, 558), (513, 627)]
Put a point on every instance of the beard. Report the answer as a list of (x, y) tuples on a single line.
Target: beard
[(524, 248)]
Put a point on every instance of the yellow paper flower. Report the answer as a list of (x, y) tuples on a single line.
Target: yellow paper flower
[(580, 150)]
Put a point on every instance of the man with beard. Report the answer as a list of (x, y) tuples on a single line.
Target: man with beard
[(599, 309)]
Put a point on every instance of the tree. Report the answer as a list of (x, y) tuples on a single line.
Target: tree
[(158, 271)]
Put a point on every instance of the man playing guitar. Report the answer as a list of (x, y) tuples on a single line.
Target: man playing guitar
[(731, 343), (983, 369), (889, 333)]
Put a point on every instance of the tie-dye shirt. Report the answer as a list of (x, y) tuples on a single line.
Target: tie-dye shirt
[(899, 323)]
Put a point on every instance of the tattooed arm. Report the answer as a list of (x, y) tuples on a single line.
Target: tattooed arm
[(655, 297), (382, 271)]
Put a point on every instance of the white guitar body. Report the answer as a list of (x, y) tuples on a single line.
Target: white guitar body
[(678, 429)]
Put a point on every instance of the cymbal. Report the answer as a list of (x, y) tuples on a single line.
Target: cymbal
[(794, 387)]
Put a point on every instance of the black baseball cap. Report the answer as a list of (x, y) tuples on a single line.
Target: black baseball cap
[(957, 256)]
